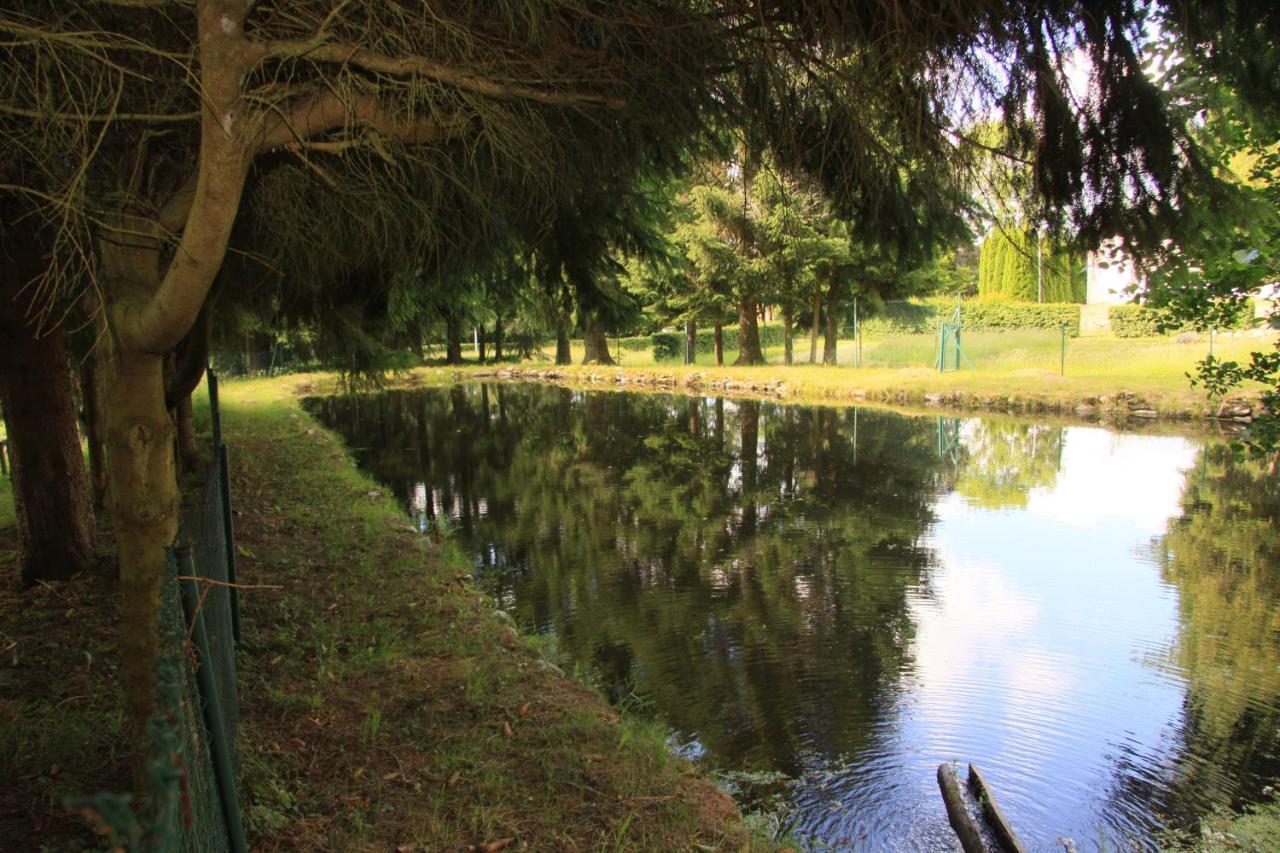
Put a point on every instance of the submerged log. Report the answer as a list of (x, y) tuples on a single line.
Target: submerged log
[(964, 825), (1000, 827)]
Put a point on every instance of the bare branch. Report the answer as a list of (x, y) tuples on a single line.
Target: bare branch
[(324, 112), (319, 50)]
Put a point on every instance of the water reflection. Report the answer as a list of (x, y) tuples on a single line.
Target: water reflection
[(852, 597)]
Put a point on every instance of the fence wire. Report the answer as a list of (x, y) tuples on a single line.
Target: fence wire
[(192, 801)]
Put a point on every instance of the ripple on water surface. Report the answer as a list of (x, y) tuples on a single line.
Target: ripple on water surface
[(850, 598)]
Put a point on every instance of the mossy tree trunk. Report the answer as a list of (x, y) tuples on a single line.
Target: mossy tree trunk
[(718, 335), (691, 341)]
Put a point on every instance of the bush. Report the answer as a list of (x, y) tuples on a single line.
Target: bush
[(916, 318), (668, 346), (1022, 315), (1134, 321)]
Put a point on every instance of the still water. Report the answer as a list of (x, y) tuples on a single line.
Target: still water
[(827, 603)]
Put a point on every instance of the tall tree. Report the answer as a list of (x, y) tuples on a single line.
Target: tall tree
[(51, 492), (137, 129)]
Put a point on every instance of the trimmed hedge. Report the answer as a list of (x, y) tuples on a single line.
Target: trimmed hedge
[(1134, 321), (916, 318), (1022, 315)]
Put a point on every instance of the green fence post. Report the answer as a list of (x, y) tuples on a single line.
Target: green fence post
[(215, 415), (229, 535), (220, 749)]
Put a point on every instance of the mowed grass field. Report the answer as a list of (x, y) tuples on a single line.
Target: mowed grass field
[(993, 362)]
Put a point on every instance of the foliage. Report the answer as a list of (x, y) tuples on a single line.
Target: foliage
[(1227, 244), (668, 346), (918, 317), (1014, 264), (1137, 321)]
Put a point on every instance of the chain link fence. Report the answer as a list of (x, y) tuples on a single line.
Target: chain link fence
[(192, 799)]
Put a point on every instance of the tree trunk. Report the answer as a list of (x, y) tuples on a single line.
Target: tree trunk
[(719, 339), (144, 513), (52, 501), (817, 320), (453, 341), (596, 343), (691, 341), (480, 343), (188, 452), (749, 351), (563, 355), (829, 340), (497, 339), (786, 334), (90, 393)]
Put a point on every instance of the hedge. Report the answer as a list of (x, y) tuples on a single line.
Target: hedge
[(1134, 321), (908, 318)]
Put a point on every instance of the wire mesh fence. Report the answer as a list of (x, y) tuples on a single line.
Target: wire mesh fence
[(192, 803)]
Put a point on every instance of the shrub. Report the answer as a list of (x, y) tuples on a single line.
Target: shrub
[(668, 346), (1134, 321)]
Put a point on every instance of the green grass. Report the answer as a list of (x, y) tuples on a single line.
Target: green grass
[(382, 698), (1003, 370), (384, 706)]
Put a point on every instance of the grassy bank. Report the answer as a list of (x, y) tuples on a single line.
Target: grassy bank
[(385, 705), (1014, 371)]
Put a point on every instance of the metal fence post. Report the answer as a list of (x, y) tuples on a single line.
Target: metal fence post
[(220, 749), (214, 413), (229, 533)]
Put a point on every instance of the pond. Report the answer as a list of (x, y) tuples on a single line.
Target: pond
[(826, 603)]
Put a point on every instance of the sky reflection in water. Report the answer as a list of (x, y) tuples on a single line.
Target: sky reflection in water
[(850, 597)]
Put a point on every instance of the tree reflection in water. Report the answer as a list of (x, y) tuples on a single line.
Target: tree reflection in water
[(747, 569)]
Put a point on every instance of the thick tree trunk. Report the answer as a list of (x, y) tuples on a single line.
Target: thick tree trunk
[(51, 492), (829, 339), (786, 334), (749, 351), (596, 343), (497, 339), (144, 513), (563, 355), (480, 342), (93, 428), (691, 341), (184, 424), (719, 340), (817, 320), (453, 341)]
